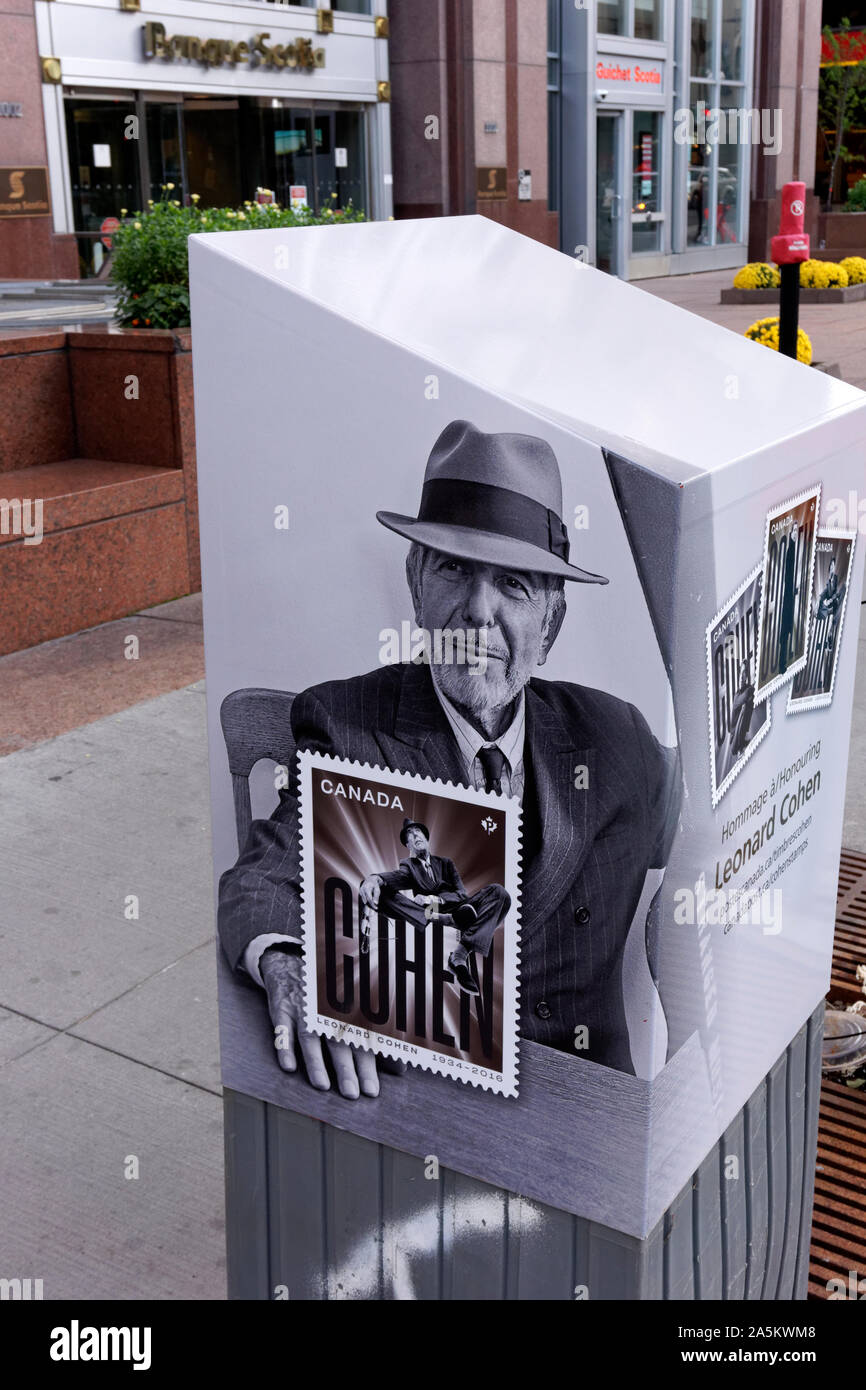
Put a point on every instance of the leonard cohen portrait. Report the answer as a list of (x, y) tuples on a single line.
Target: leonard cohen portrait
[(489, 555)]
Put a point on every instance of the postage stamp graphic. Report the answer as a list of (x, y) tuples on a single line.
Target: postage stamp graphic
[(786, 587), (411, 896), (737, 722), (812, 687)]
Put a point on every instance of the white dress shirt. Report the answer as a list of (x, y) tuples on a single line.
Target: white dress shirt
[(470, 742)]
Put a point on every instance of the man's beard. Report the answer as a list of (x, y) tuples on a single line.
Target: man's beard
[(480, 692)]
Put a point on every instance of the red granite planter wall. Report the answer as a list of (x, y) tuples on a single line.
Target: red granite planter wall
[(35, 402), (843, 233), (98, 426)]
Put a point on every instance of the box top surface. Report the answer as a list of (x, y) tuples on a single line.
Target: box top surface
[(645, 378)]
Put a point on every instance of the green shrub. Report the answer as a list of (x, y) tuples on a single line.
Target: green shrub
[(857, 196), (150, 265)]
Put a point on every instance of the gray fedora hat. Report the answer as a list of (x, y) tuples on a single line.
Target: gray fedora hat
[(493, 498)]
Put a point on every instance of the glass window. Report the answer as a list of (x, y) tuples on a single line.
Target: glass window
[(103, 168), (732, 40), (646, 224), (607, 200), (212, 152), (554, 116), (554, 103), (647, 19), (164, 148), (702, 38), (320, 150), (698, 179), (347, 6), (729, 149), (290, 140), (610, 17), (553, 26), (340, 166), (718, 135)]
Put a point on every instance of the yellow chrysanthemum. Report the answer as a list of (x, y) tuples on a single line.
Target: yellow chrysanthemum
[(757, 275), (855, 269), (822, 275), (766, 332)]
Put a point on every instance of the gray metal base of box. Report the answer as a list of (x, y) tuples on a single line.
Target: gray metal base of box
[(313, 1212)]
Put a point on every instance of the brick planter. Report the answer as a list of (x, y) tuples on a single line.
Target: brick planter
[(112, 462), (849, 294), (843, 234)]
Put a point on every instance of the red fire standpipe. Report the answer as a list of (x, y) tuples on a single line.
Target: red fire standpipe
[(788, 250)]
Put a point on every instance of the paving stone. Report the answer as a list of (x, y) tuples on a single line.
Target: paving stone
[(91, 819), (73, 1116), (18, 1034), (169, 1021)]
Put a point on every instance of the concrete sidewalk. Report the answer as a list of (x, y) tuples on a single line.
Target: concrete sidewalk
[(108, 1038)]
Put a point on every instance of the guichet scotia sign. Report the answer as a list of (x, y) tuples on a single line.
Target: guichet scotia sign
[(615, 73), (215, 52)]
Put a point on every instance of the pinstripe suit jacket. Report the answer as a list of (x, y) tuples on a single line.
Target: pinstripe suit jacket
[(585, 852)]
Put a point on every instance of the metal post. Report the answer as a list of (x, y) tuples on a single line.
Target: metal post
[(788, 249), (789, 308)]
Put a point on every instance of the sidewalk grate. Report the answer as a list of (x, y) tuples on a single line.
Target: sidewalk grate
[(839, 1221)]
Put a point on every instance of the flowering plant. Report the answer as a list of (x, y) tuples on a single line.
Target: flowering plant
[(150, 264), (757, 275), (766, 332), (855, 268), (822, 275)]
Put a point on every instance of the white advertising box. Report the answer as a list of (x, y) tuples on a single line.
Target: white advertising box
[(531, 608)]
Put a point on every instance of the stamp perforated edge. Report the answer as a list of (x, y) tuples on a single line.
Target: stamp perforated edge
[(506, 1083), (728, 781), (794, 706), (775, 512)]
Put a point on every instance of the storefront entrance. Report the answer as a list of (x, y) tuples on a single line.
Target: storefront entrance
[(125, 149)]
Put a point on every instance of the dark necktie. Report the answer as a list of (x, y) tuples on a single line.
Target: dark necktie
[(427, 867), (492, 765)]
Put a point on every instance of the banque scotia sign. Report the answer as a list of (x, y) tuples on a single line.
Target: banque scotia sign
[(215, 52)]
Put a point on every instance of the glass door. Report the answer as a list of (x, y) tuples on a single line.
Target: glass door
[(211, 146), (608, 197), (165, 152), (292, 155), (646, 201), (312, 154), (104, 171)]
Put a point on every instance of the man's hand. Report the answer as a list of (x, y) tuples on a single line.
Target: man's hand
[(356, 1070), (370, 890)]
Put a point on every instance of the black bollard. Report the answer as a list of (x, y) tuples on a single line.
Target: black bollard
[(789, 308)]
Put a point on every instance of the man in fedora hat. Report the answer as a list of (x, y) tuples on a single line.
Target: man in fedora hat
[(600, 796), (437, 882)]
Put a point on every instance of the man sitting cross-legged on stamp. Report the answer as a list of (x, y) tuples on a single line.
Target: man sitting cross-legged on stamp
[(439, 884)]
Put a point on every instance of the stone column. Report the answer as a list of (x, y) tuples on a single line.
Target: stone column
[(29, 246), (479, 67), (787, 64)]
